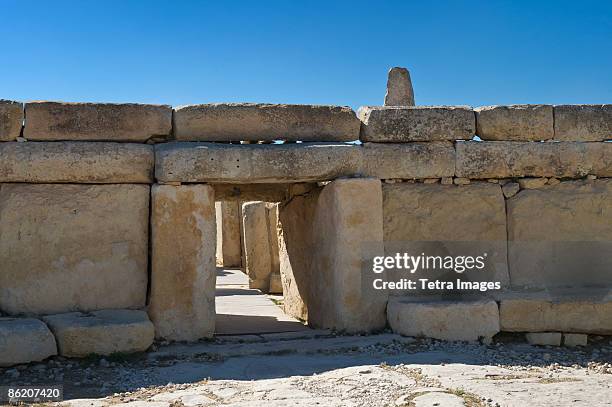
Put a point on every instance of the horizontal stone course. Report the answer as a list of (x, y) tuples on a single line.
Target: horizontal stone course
[(515, 122), (76, 162), (11, 119), (409, 160), (397, 124), (507, 159), (96, 121), (583, 122), (265, 122), (25, 340)]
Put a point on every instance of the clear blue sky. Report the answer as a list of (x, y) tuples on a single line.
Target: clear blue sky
[(182, 52)]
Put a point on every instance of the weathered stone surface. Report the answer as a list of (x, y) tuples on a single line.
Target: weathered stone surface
[(393, 124), (76, 162), (256, 245), (575, 339), (446, 320), (183, 239), (101, 332), (399, 88), (532, 183), (25, 340), (507, 159), (329, 237), (510, 189), (11, 119), (583, 122), (255, 163), (569, 311), (410, 160), (561, 235), (72, 247), (448, 220), (266, 122), (276, 285), (544, 338), (96, 121), (515, 122), (231, 247)]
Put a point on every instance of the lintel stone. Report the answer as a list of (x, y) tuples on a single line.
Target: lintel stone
[(515, 122), (583, 122), (409, 160), (11, 119)]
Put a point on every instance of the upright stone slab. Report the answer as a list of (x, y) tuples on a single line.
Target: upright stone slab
[(183, 239), (515, 122), (25, 340), (96, 121), (231, 246), (11, 119), (72, 247), (256, 245), (583, 122), (399, 88), (508, 159), (561, 235), (265, 122), (401, 124), (340, 228)]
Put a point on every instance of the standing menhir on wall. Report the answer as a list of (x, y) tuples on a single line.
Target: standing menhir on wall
[(399, 88)]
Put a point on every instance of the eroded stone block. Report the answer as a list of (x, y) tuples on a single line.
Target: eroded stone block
[(399, 88), (575, 339), (265, 122), (583, 122), (256, 245), (76, 162), (409, 160), (544, 338), (96, 121), (11, 119), (73, 247), (230, 239), (398, 124), (101, 332), (183, 240), (25, 340), (515, 122)]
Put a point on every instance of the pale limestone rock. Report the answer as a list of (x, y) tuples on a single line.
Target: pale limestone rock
[(446, 181), (260, 121), (25, 340), (431, 180), (399, 88), (256, 245), (276, 285), (408, 160), (76, 162), (544, 338), (461, 181), (393, 124), (572, 311), (553, 181), (591, 177), (508, 159), (101, 332), (329, 238), (515, 122), (437, 399), (532, 183), (73, 247), (447, 220), (96, 121), (231, 248), (510, 189), (446, 320), (255, 163), (583, 122), (11, 119), (561, 235), (575, 339), (182, 298)]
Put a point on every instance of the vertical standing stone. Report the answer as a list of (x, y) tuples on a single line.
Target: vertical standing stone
[(231, 247), (399, 88), (11, 119), (256, 244), (182, 299)]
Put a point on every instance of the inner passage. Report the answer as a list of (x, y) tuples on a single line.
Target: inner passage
[(249, 292)]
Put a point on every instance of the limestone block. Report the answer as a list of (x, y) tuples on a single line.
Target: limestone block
[(96, 121), (255, 163), (76, 162), (265, 122), (515, 122), (25, 340), (510, 189), (583, 122), (329, 237), (561, 235), (409, 160), (276, 285), (571, 311), (508, 159), (446, 320), (448, 220), (101, 332), (575, 339), (183, 239), (231, 246), (399, 88), (393, 124), (73, 247), (532, 183), (256, 245), (544, 338), (11, 119)]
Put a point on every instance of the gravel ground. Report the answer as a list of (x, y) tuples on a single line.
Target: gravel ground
[(329, 370)]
